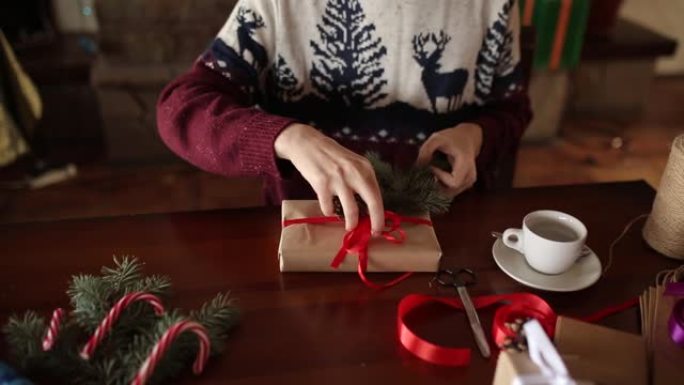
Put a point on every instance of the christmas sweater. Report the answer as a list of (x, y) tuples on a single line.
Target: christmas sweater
[(377, 75)]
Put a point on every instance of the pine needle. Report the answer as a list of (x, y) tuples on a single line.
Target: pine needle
[(24, 334), (123, 275)]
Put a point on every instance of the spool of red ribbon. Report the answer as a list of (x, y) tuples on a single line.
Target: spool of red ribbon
[(512, 306), (515, 305)]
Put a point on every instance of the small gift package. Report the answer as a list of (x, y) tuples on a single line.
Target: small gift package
[(583, 354), (312, 242)]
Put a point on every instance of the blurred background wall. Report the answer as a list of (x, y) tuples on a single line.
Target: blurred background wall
[(664, 16)]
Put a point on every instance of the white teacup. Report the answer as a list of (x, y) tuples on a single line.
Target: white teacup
[(551, 241)]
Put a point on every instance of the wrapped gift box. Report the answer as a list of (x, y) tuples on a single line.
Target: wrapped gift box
[(312, 247), (560, 27), (592, 354)]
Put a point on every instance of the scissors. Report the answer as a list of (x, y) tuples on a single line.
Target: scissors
[(459, 280)]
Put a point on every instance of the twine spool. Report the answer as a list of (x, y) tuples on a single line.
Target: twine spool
[(664, 229)]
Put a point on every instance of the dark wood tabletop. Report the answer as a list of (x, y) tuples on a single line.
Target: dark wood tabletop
[(327, 327)]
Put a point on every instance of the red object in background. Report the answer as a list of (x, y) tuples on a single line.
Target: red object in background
[(602, 16)]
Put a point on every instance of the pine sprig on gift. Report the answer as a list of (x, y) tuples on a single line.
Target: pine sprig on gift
[(408, 192), (120, 355), (411, 191)]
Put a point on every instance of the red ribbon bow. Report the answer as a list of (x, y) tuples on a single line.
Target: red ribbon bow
[(356, 241)]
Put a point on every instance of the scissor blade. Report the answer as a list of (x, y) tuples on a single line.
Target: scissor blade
[(474, 320)]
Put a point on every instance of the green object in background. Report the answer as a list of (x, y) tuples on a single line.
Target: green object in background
[(545, 17)]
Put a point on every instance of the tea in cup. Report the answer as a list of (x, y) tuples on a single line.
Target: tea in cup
[(551, 241)]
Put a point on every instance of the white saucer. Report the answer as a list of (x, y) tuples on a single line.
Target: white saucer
[(584, 273)]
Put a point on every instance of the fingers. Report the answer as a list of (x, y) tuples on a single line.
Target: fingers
[(446, 178), (370, 193), (461, 179), (326, 202), (349, 206), (427, 150)]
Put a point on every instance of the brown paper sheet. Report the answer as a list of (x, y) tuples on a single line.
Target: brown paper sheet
[(311, 247), (511, 365), (602, 355)]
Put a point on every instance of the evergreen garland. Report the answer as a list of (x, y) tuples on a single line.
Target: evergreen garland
[(118, 358)]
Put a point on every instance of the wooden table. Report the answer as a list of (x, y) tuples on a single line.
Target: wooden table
[(326, 328)]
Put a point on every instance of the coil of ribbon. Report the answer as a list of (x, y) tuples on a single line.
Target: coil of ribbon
[(356, 241), (511, 306)]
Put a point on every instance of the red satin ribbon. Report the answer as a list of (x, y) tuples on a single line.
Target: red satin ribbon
[(356, 241), (517, 305), (513, 306)]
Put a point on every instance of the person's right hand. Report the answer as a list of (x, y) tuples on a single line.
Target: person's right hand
[(333, 170)]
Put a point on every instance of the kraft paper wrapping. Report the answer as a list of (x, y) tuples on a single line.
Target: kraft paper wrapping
[(600, 354), (311, 247)]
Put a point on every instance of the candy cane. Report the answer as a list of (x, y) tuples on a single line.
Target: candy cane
[(53, 329), (114, 313), (157, 353)]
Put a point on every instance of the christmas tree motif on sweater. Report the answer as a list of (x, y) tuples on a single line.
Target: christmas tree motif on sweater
[(348, 68), (495, 54), (437, 84), (249, 21), (284, 85)]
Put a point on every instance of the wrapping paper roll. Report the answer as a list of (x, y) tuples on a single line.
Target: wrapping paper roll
[(664, 229)]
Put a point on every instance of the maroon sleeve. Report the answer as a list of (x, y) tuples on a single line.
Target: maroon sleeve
[(503, 123), (209, 121)]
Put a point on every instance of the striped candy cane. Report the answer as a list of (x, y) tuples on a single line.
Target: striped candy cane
[(53, 329), (157, 353), (114, 313)]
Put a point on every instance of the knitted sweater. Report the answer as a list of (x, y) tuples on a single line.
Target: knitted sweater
[(377, 75)]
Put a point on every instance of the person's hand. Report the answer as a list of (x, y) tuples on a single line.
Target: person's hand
[(461, 145), (333, 170)]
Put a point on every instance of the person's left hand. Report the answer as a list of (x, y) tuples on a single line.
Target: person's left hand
[(461, 145)]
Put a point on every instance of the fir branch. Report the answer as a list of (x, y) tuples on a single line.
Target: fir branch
[(219, 316), (177, 357), (123, 275), (119, 356), (409, 192), (90, 298), (24, 335), (154, 284)]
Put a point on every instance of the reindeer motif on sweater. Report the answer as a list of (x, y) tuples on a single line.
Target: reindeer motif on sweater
[(448, 85), (249, 21)]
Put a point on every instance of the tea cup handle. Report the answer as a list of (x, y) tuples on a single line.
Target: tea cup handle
[(513, 238)]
